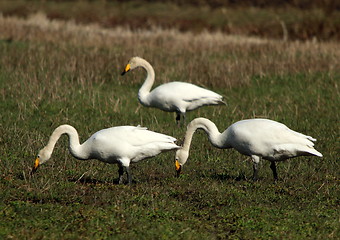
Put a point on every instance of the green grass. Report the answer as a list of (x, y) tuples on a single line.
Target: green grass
[(47, 83)]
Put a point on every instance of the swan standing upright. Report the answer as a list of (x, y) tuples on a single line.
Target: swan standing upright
[(178, 97), (121, 145), (257, 138)]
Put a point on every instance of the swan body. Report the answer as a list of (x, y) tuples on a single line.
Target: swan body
[(178, 97), (257, 138), (120, 145)]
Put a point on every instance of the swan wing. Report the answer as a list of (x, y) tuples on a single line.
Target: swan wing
[(181, 96), (185, 91), (284, 151), (148, 144), (270, 139), (128, 142)]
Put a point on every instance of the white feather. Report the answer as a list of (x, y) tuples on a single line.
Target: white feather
[(178, 97), (121, 145), (257, 138)]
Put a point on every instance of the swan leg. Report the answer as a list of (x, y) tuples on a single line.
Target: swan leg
[(128, 175), (256, 170), (183, 118), (273, 168), (120, 172), (180, 118), (256, 161)]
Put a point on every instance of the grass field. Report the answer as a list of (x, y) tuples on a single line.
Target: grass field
[(58, 72), (290, 19)]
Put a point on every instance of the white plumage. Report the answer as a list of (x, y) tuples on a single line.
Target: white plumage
[(122, 145), (178, 97), (257, 138)]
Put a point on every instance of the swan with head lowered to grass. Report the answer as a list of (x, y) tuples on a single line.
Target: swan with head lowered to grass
[(179, 97), (121, 145), (257, 138)]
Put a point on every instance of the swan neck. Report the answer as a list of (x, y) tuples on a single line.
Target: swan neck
[(208, 126), (74, 145), (148, 83)]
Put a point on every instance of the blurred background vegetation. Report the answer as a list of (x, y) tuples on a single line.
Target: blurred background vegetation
[(276, 19)]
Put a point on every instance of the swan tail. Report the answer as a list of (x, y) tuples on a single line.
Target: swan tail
[(293, 150), (161, 147), (305, 136), (308, 150), (221, 102), (311, 139), (314, 152)]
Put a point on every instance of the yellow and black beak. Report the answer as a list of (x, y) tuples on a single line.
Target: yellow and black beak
[(178, 168), (127, 68), (36, 165)]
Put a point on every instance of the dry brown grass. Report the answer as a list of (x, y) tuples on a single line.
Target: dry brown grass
[(217, 56), (303, 20)]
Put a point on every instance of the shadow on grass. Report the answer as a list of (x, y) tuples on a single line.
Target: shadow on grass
[(90, 180), (226, 177), (87, 180)]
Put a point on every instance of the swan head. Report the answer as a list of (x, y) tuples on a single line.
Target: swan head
[(43, 156), (180, 159), (132, 64)]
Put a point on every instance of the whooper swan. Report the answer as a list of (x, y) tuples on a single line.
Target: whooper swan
[(257, 138), (178, 97), (122, 145)]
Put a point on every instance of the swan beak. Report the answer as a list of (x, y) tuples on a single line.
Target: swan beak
[(36, 165), (127, 68), (178, 168)]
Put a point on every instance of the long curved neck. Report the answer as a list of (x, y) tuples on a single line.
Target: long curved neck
[(215, 137), (74, 145), (147, 85)]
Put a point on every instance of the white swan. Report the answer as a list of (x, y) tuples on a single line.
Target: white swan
[(178, 97), (122, 145), (257, 138)]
